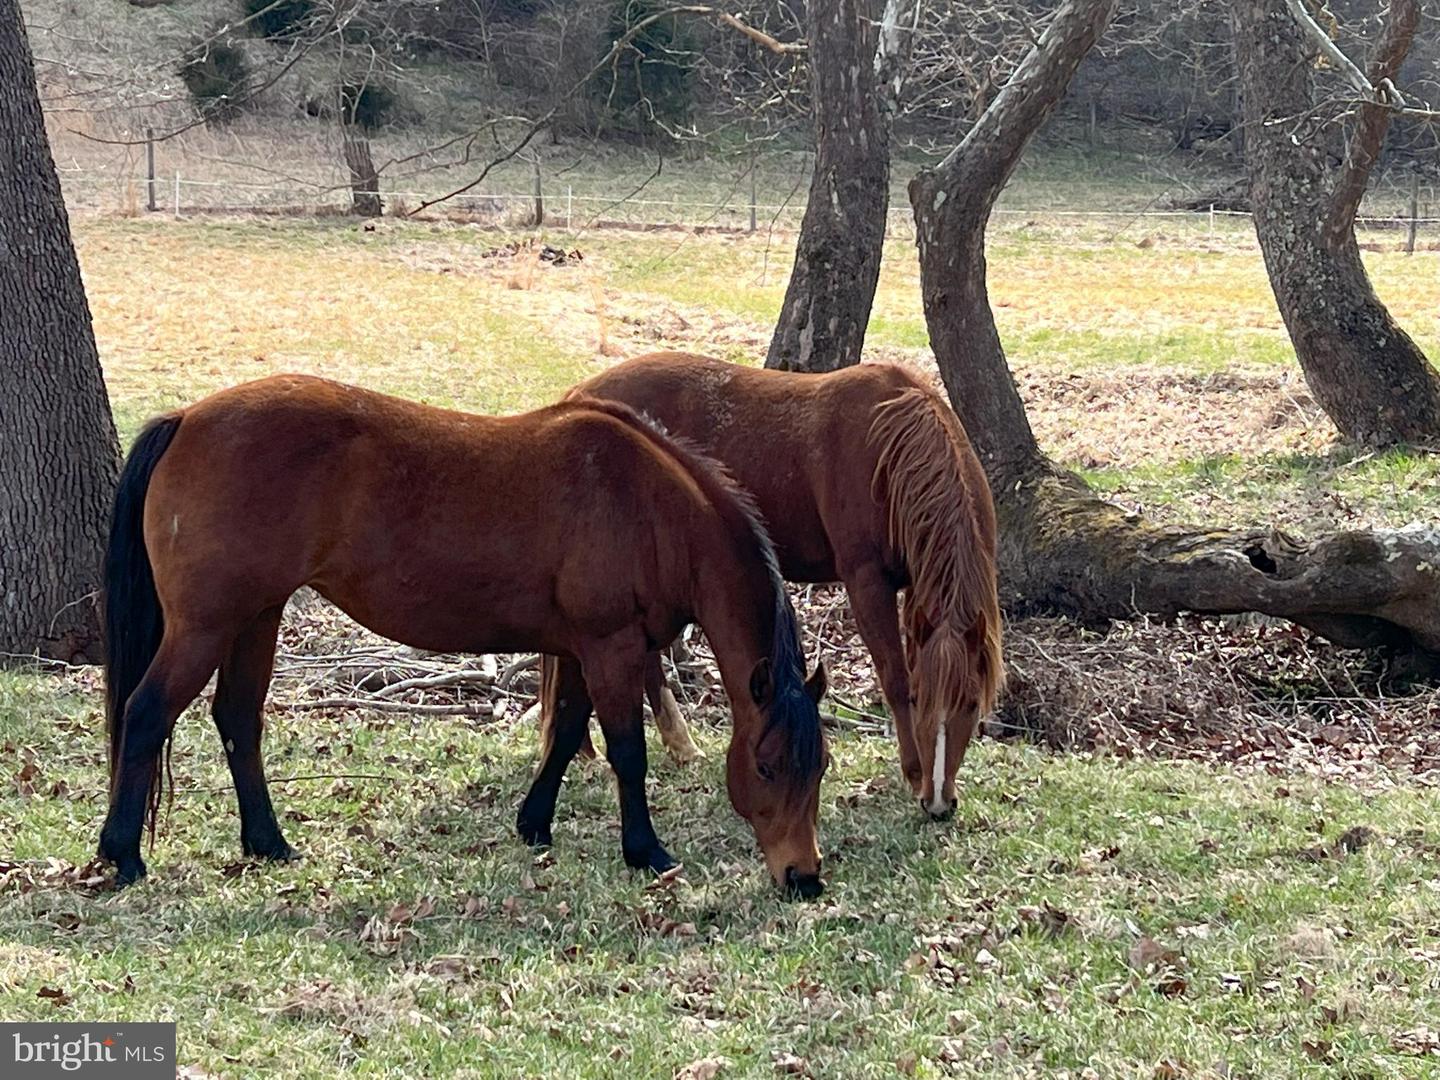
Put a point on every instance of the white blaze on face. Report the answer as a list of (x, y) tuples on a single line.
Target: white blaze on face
[(937, 771)]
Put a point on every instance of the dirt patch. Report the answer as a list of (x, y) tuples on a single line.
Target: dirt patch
[(1141, 415)]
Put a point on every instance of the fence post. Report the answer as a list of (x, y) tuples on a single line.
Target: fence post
[(1414, 214), (177, 193), (752, 191), (569, 203), (150, 169), (1212, 221), (539, 198)]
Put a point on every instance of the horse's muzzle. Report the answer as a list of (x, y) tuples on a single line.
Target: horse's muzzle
[(941, 810), (802, 886)]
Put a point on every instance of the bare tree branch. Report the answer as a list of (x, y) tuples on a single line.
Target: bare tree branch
[(1367, 88), (610, 57), (1374, 117)]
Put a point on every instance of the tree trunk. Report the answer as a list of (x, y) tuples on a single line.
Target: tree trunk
[(58, 454), (364, 180), (1364, 370), (1062, 550), (837, 258)]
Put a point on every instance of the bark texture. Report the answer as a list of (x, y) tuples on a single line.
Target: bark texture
[(364, 180), (1363, 368), (837, 258), (58, 454), (1064, 550)]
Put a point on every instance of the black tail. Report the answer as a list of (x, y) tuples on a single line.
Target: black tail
[(133, 620)]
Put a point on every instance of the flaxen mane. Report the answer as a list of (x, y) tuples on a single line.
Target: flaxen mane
[(942, 521)]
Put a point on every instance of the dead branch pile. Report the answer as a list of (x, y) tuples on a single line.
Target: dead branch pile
[(1249, 691)]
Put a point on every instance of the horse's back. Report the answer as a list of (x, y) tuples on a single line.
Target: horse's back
[(412, 519), (798, 442)]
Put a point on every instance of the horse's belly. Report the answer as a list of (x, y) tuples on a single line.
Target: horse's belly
[(448, 615)]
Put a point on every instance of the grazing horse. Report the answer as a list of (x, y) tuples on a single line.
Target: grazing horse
[(578, 530), (864, 476)]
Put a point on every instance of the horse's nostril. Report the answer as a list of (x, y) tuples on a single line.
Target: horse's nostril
[(802, 886)]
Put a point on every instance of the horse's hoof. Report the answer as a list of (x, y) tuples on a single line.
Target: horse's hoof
[(533, 833), (276, 850), (686, 755), (129, 872), (655, 859)]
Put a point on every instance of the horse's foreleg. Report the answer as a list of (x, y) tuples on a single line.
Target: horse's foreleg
[(565, 712), (674, 732), (616, 688), (872, 602), (180, 670), (238, 711)]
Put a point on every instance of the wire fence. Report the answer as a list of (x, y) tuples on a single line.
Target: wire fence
[(1394, 217)]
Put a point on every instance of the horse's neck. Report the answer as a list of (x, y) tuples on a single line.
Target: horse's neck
[(735, 606)]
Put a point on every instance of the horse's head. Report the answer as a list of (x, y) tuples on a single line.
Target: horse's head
[(954, 677), (773, 772)]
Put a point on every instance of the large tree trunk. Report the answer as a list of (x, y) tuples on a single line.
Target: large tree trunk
[(58, 454), (1064, 550), (837, 258), (1364, 370)]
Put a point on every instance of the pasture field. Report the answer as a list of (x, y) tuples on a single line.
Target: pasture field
[(1087, 913)]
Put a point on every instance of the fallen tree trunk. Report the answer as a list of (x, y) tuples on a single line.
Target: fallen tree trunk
[(1064, 550)]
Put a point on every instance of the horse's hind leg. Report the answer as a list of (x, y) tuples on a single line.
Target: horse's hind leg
[(545, 708), (181, 668), (674, 732), (238, 711), (616, 683), (872, 602), (565, 706)]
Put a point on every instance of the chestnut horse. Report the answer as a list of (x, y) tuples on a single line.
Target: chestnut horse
[(863, 476), (578, 530)]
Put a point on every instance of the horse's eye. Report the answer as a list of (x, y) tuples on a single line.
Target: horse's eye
[(766, 772)]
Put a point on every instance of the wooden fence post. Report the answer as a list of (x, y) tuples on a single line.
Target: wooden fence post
[(150, 169), (539, 197), (752, 191), (1414, 214)]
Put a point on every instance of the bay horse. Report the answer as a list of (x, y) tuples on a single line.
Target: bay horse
[(578, 529), (863, 476)]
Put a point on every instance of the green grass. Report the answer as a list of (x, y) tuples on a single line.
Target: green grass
[(571, 966), (1393, 487), (926, 951)]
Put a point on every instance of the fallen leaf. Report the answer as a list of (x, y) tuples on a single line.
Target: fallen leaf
[(791, 1064), (706, 1068), (1148, 955)]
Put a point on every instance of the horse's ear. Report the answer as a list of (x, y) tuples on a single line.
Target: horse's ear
[(818, 682), (762, 683)]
